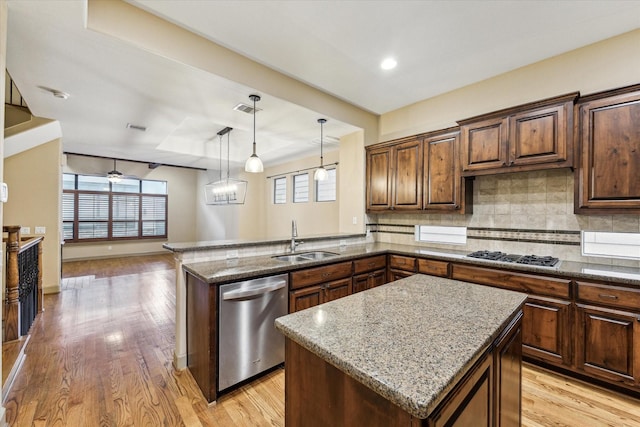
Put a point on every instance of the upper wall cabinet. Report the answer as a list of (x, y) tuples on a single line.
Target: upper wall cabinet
[(394, 176), (527, 137), (416, 174), (608, 176)]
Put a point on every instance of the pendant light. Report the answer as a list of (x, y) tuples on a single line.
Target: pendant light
[(114, 176), (254, 164), (226, 191), (321, 173)]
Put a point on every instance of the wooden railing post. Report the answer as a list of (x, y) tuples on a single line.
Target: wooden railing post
[(39, 289), (12, 303)]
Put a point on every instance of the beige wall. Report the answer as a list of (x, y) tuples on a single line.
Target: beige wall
[(352, 183), (605, 65), (312, 217), (3, 65), (540, 200), (33, 177), (182, 187)]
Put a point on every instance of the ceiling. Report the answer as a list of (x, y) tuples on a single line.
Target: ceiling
[(335, 46)]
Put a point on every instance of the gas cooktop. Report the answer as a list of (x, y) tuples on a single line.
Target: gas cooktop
[(541, 261)]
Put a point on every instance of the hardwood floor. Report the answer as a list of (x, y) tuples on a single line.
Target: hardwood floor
[(100, 355)]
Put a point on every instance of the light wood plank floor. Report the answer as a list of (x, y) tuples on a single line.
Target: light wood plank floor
[(100, 355)]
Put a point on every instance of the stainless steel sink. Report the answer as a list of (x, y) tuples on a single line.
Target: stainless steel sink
[(305, 256)]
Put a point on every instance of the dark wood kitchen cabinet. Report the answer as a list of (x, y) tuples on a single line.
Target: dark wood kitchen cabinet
[(546, 325), (401, 266), (444, 189), (317, 285), (607, 180), (394, 176), (369, 272), (533, 136), (608, 336)]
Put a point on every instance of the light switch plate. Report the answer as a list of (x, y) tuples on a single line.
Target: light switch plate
[(25, 230), (40, 229)]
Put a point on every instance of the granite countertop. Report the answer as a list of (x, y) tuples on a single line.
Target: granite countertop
[(222, 271), (238, 243), (411, 340)]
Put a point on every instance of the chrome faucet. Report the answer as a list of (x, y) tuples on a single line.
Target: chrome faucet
[(294, 234)]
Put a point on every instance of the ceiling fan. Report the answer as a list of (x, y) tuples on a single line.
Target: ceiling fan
[(115, 175)]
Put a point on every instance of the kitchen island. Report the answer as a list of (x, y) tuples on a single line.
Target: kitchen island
[(418, 351)]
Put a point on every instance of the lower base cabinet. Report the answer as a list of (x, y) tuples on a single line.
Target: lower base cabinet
[(365, 281), (546, 330), (608, 344), (311, 296)]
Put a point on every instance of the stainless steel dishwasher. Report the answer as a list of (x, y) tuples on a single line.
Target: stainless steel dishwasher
[(248, 340)]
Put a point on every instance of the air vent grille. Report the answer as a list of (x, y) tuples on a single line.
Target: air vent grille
[(245, 108)]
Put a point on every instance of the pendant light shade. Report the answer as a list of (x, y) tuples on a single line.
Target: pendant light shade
[(321, 173), (114, 176), (254, 164)]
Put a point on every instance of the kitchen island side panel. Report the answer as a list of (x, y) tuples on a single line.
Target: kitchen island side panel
[(201, 335)]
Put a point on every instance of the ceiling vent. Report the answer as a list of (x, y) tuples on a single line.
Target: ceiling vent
[(328, 140), (136, 127), (246, 108)]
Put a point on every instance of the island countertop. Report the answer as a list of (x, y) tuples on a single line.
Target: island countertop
[(410, 341)]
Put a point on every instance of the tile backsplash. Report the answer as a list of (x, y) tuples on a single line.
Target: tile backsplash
[(525, 213)]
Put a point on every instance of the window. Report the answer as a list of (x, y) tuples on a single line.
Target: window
[(280, 190), (301, 188), (94, 209), (326, 190)]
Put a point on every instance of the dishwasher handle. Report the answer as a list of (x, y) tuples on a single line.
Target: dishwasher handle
[(255, 291)]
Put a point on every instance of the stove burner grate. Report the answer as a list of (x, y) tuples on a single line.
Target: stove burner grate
[(542, 261)]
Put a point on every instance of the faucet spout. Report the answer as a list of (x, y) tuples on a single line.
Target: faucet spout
[(294, 234)]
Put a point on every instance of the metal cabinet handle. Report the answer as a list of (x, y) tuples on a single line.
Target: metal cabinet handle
[(607, 296), (255, 291)]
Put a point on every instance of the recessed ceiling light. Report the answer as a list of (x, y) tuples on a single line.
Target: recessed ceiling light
[(388, 64)]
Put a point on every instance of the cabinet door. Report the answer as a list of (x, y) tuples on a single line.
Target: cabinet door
[(377, 278), (407, 176), (360, 283), (398, 274), (608, 344), (305, 298), (442, 183), (541, 136), (508, 374), (379, 179), (610, 156), (471, 404), (546, 330), (484, 144), (336, 289)]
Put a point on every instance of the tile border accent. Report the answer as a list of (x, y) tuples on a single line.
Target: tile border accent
[(556, 237)]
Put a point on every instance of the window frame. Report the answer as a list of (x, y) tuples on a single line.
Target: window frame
[(275, 192), (335, 186), (294, 186), (110, 221)]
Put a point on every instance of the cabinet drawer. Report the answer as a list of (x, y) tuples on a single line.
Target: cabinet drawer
[(400, 262), (326, 273), (369, 264), (433, 268), (613, 296), (536, 285)]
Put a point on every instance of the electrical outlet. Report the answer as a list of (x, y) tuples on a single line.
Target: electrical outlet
[(41, 230), (355, 220), (232, 254), (25, 230)]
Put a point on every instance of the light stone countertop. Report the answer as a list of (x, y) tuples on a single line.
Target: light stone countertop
[(218, 272), (411, 340)]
